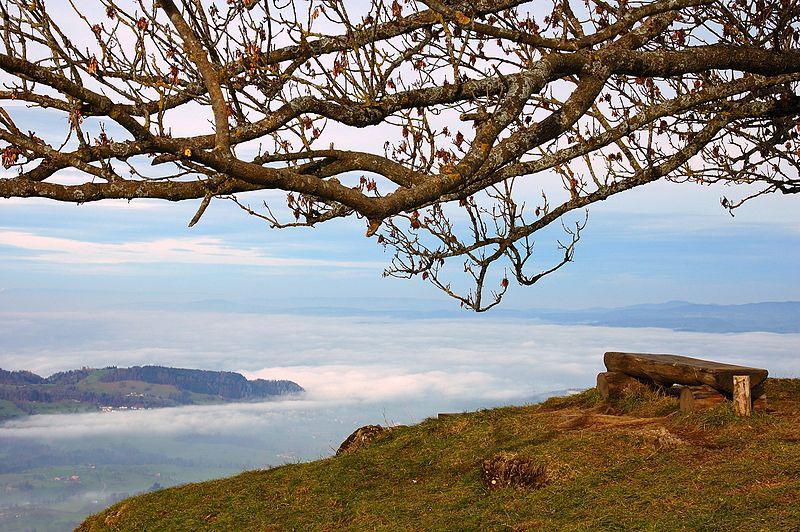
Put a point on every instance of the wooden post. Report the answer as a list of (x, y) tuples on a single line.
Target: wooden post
[(742, 403)]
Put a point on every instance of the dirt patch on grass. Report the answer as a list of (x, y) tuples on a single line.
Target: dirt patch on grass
[(589, 420), (659, 437)]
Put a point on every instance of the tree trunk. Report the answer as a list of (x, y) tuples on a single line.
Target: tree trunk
[(613, 384), (742, 403), (699, 398)]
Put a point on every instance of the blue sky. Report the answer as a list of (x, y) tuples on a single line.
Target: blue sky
[(658, 243)]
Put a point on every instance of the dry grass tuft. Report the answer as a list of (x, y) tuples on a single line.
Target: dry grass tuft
[(457, 427), (112, 518), (646, 403), (362, 437), (508, 470)]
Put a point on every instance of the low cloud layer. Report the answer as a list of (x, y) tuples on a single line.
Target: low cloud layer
[(365, 358), (356, 369), (335, 383), (216, 419)]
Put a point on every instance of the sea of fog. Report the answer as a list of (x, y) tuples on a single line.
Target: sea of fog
[(357, 370)]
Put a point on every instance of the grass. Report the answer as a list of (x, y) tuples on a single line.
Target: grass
[(126, 387), (636, 463), (8, 410), (60, 407)]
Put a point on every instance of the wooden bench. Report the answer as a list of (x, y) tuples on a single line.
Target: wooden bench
[(704, 383)]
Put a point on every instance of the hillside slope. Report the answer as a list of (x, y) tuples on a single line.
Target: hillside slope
[(636, 463)]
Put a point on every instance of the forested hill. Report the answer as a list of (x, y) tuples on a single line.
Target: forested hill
[(89, 389), (225, 384)]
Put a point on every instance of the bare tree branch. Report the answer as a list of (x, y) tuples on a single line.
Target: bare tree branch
[(457, 130)]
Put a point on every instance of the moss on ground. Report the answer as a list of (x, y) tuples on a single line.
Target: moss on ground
[(636, 463)]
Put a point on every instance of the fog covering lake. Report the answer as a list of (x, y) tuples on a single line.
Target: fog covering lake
[(357, 370)]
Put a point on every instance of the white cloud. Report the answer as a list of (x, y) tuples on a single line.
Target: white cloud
[(109, 204), (375, 383), (192, 250)]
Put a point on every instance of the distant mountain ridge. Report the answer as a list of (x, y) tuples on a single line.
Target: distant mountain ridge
[(776, 317), (766, 316), (137, 387), (770, 316)]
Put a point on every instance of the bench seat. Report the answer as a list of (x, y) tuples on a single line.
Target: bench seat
[(667, 370)]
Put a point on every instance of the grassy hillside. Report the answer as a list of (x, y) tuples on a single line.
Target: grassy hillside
[(636, 463)]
